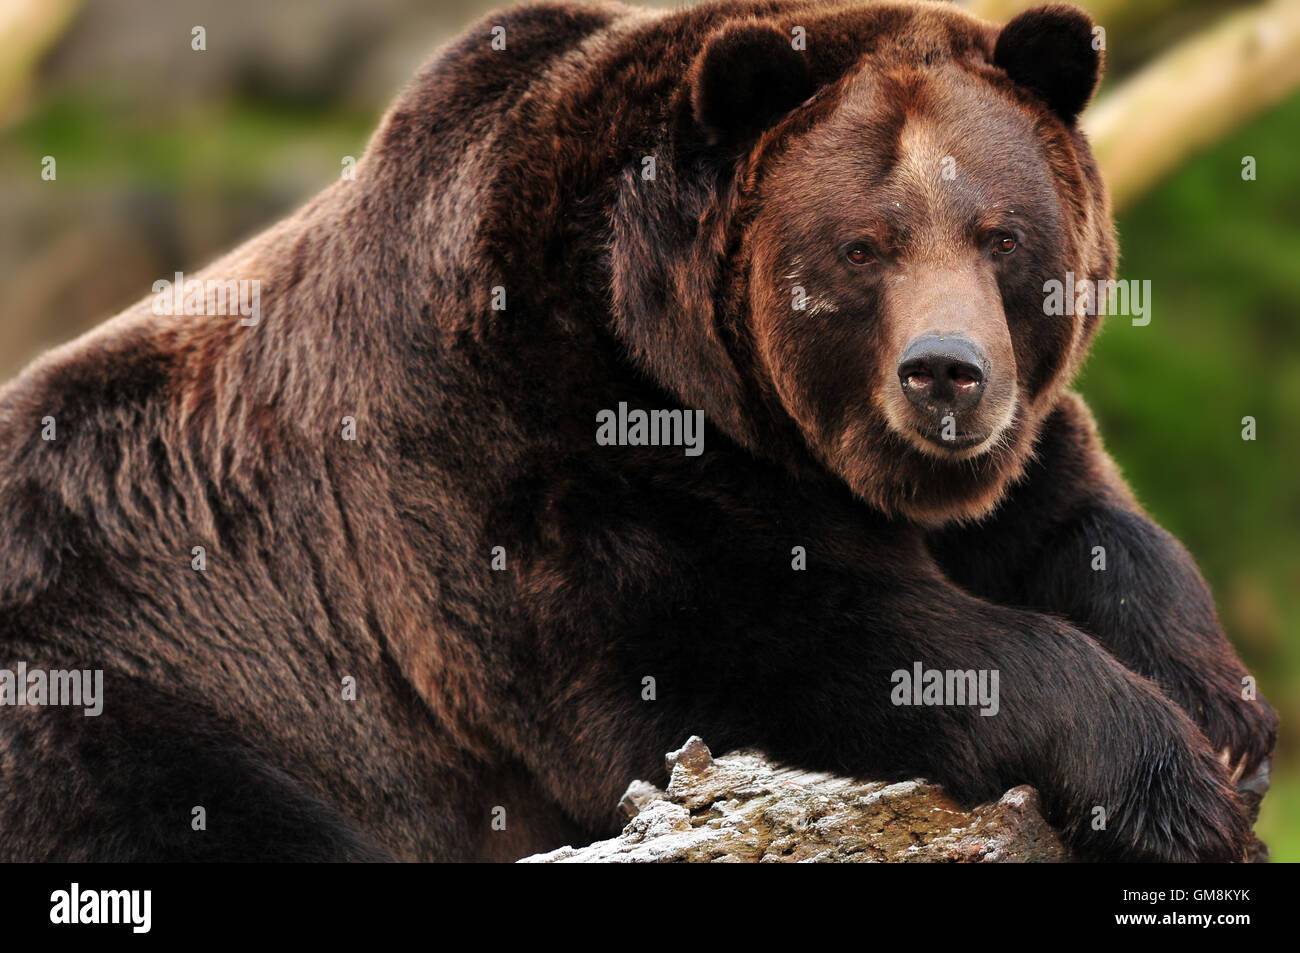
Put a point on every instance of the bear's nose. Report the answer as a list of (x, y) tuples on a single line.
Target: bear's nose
[(943, 372)]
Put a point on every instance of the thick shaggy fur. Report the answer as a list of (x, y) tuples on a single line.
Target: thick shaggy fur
[(522, 688)]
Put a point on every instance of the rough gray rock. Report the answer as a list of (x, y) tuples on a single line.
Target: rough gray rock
[(742, 808)]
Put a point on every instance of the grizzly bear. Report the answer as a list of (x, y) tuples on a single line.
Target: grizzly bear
[(656, 373)]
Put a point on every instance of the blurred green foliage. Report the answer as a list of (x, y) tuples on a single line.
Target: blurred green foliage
[(213, 146)]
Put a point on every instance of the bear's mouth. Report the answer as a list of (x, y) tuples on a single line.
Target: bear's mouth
[(961, 440)]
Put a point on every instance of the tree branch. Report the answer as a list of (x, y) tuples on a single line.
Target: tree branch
[(1194, 95)]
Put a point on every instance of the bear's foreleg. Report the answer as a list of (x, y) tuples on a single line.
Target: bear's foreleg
[(1069, 539), (1123, 772)]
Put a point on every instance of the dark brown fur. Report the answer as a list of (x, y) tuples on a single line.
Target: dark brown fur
[(522, 688)]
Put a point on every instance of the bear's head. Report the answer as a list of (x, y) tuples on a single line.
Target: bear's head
[(890, 226)]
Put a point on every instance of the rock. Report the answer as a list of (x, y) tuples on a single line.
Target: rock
[(637, 797), (741, 808)]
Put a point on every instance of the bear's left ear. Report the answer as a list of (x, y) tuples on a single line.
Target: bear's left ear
[(1050, 51), (747, 76)]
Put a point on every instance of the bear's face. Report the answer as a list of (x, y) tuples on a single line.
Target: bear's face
[(899, 258), (905, 222)]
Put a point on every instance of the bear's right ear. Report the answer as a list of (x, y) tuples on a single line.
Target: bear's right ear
[(748, 76)]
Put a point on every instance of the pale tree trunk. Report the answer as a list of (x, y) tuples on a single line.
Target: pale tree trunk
[(28, 29), (1195, 95)]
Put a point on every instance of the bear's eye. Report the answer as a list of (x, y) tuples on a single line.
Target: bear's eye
[(859, 253), (1005, 245)]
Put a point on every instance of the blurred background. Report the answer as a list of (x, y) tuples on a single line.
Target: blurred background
[(166, 155)]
